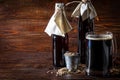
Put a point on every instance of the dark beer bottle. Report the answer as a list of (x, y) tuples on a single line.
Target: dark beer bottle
[(60, 46), (86, 13), (86, 24), (83, 28), (58, 27)]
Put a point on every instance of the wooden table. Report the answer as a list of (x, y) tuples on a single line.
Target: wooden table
[(35, 66)]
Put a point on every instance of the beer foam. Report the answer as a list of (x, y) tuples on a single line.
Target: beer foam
[(99, 37), (70, 54)]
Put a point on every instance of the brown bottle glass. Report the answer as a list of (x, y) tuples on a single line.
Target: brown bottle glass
[(60, 46), (83, 27)]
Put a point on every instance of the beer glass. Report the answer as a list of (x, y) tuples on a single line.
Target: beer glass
[(99, 53)]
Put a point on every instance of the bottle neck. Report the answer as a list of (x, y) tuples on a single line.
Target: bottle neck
[(59, 6)]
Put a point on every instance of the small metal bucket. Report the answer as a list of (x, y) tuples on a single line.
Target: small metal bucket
[(72, 61)]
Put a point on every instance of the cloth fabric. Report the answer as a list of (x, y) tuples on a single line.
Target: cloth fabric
[(86, 10), (58, 24)]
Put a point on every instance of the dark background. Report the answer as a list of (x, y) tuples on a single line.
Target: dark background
[(22, 23)]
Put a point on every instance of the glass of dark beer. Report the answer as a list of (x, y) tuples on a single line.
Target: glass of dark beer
[(99, 53)]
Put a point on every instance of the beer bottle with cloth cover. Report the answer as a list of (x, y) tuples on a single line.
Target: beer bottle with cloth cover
[(58, 27), (86, 13)]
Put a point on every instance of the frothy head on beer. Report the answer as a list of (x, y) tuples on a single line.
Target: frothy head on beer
[(93, 36)]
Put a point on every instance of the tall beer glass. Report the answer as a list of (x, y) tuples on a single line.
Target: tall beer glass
[(99, 53)]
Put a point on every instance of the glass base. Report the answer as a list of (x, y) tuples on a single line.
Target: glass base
[(98, 73)]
